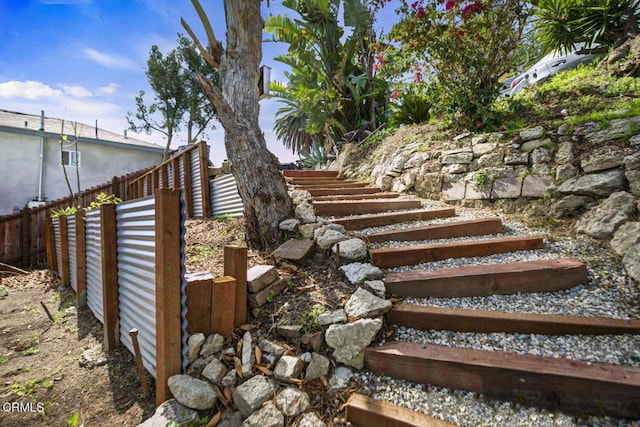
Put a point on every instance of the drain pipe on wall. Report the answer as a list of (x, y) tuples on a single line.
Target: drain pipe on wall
[(41, 166)]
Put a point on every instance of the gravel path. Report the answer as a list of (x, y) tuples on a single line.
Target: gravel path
[(608, 293)]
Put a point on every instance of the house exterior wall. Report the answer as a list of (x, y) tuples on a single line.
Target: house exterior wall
[(19, 163)]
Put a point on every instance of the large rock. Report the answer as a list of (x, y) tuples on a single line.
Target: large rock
[(352, 249), (617, 128), (260, 276), (296, 250), (288, 369), (631, 262), (603, 158), (596, 184), (214, 371), (350, 340), (364, 304), (462, 156), (172, 413), (267, 416), (632, 172), (602, 221), (533, 133), (248, 396), (329, 237), (331, 317), (290, 224), (340, 379), (305, 213), (292, 401), (529, 146), (192, 392), (319, 365), (564, 154), (570, 206), (376, 287), (194, 345), (626, 236), (358, 272), (428, 183), (483, 148), (247, 356), (213, 344)]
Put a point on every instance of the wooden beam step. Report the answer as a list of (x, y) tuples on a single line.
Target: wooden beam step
[(547, 275), (484, 321), (316, 192), (362, 207), (474, 227), (409, 255), (304, 173), (315, 181), (385, 195), (339, 184), (569, 384), (364, 221), (363, 411)]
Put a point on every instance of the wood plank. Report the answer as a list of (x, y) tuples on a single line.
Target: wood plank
[(339, 191), (381, 195), (235, 265), (482, 280), (474, 227), (199, 288), (483, 321), (364, 221), (223, 305), (409, 255), (568, 384), (363, 411), (109, 237), (315, 181), (341, 184), (65, 274), (309, 173), (363, 207)]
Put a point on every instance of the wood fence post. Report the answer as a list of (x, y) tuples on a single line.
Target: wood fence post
[(64, 250), (115, 187), (109, 276), (204, 178), (186, 159), (199, 300), (223, 305), (81, 260), (50, 244), (175, 171), (168, 281), (235, 265), (25, 240)]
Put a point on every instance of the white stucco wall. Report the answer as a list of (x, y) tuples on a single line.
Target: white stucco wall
[(19, 161)]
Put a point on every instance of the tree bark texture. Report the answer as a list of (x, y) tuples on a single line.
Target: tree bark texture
[(256, 170)]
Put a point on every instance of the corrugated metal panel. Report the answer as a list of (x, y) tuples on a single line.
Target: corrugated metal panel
[(196, 185), (170, 175), (135, 225), (225, 199), (94, 264), (56, 234), (73, 263), (181, 172)]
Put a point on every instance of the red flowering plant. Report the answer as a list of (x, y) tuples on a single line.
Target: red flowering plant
[(460, 48)]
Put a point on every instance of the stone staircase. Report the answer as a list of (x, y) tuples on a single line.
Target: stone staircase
[(409, 244)]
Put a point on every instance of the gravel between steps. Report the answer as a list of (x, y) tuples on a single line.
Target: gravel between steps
[(608, 293)]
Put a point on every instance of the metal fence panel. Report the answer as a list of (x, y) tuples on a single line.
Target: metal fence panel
[(73, 262), (225, 199), (135, 225), (56, 235), (196, 185), (94, 263)]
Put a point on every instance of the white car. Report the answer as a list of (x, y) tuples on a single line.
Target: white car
[(550, 65)]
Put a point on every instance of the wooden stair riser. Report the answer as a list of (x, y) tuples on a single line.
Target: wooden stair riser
[(365, 221), (363, 411), (396, 257), (494, 279), (362, 207), (329, 186), (485, 321), (568, 384), (476, 227), (342, 191), (323, 181), (356, 197), (303, 173)]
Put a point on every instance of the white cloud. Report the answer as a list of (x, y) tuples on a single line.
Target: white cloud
[(76, 91), (28, 89), (110, 61), (109, 89)]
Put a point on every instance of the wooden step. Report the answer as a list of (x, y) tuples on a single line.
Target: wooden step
[(409, 255), (568, 384), (483, 321), (339, 184), (362, 207), (316, 192), (315, 181), (386, 195), (305, 173), (547, 275), (474, 227), (363, 411), (364, 221)]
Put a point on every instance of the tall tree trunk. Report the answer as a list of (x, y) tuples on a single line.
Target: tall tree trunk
[(257, 172)]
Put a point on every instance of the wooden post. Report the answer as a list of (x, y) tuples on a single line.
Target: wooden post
[(50, 242), (25, 241), (204, 178), (168, 278), (64, 250), (115, 187), (223, 305), (81, 260), (109, 276), (235, 265), (199, 299), (186, 158), (154, 180), (175, 171)]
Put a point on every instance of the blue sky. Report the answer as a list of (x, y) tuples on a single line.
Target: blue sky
[(85, 60)]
